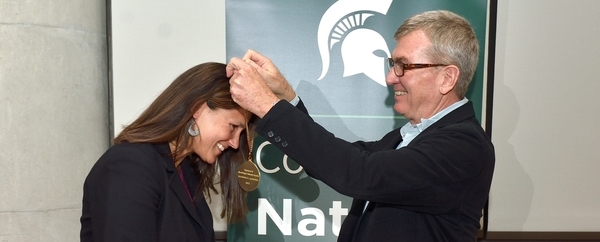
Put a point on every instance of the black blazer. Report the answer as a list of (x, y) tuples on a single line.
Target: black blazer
[(134, 193), (434, 189)]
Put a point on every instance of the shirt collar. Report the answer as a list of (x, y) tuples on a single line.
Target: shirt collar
[(426, 122)]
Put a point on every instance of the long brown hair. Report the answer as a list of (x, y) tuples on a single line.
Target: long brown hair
[(166, 120)]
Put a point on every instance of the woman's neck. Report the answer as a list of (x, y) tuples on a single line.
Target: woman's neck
[(173, 148)]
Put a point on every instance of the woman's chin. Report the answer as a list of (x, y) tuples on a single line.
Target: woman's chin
[(210, 160)]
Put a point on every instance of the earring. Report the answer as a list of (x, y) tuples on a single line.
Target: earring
[(191, 130)]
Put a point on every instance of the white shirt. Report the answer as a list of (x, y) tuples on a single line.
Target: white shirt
[(409, 131)]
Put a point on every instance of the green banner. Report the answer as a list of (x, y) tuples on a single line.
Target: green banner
[(334, 55)]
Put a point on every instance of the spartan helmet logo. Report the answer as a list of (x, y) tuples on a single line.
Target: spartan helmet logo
[(344, 20)]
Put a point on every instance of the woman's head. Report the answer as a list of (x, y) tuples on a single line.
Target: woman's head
[(201, 90), (216, 129)]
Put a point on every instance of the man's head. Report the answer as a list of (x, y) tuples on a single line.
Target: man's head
[(434, 37), (453, 42)]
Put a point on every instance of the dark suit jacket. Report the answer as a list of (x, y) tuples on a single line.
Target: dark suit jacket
[(134, 193), (434, 189)]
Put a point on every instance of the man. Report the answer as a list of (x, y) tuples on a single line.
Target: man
[(428, 180)]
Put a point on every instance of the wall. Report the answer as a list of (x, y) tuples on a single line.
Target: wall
[(545, 117), (155, 41), (53, 114)]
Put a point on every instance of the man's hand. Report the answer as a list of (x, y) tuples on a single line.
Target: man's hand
[(248, 87), (269, 72)]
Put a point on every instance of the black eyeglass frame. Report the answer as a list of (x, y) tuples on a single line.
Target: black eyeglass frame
[(398, 66)]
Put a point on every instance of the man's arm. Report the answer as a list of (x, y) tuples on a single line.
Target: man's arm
[(428, 175), (257, 84)]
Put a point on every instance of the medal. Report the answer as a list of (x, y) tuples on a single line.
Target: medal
[(248, 174)]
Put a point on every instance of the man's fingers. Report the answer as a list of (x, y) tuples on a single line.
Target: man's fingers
[(242, 65), (234, 65), (256, 57), (251, 55), (257, 67)]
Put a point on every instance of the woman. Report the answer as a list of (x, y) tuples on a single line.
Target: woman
[(150, 185)]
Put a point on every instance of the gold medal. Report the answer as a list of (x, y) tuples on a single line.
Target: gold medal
[(248, 174)]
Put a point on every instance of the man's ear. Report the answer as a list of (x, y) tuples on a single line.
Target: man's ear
[(450, 78)]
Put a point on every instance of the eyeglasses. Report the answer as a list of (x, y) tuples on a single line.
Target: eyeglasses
[(400, 67)]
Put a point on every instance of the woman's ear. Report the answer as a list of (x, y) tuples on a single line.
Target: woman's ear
[(451, 74), (200, 110)]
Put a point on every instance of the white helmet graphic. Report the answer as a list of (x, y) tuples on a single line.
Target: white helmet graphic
[(343, 20)]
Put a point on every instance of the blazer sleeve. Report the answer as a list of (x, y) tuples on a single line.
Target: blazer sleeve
[(429, 174), (360, 144), (122, 195)]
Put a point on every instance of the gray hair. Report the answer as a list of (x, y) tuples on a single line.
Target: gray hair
[(453, 42)]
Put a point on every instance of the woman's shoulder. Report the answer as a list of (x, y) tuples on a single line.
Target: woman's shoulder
[(143, 154), (131, 172), (131, 147), (131, 160), (124, 150)]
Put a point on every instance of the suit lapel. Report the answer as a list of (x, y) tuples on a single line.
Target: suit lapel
[(351, 222), (458, 115), (176, 185), (395, 142)]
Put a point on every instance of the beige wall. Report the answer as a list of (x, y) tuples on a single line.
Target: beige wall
[(546, 115), (53, 113)]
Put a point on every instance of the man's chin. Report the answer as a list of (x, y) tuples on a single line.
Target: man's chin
[(399, 109)]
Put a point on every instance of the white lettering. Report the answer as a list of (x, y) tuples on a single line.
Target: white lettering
[(284, 224), (318, 221), (259, 160), (276, 169), (287, 168), (336, 211)]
